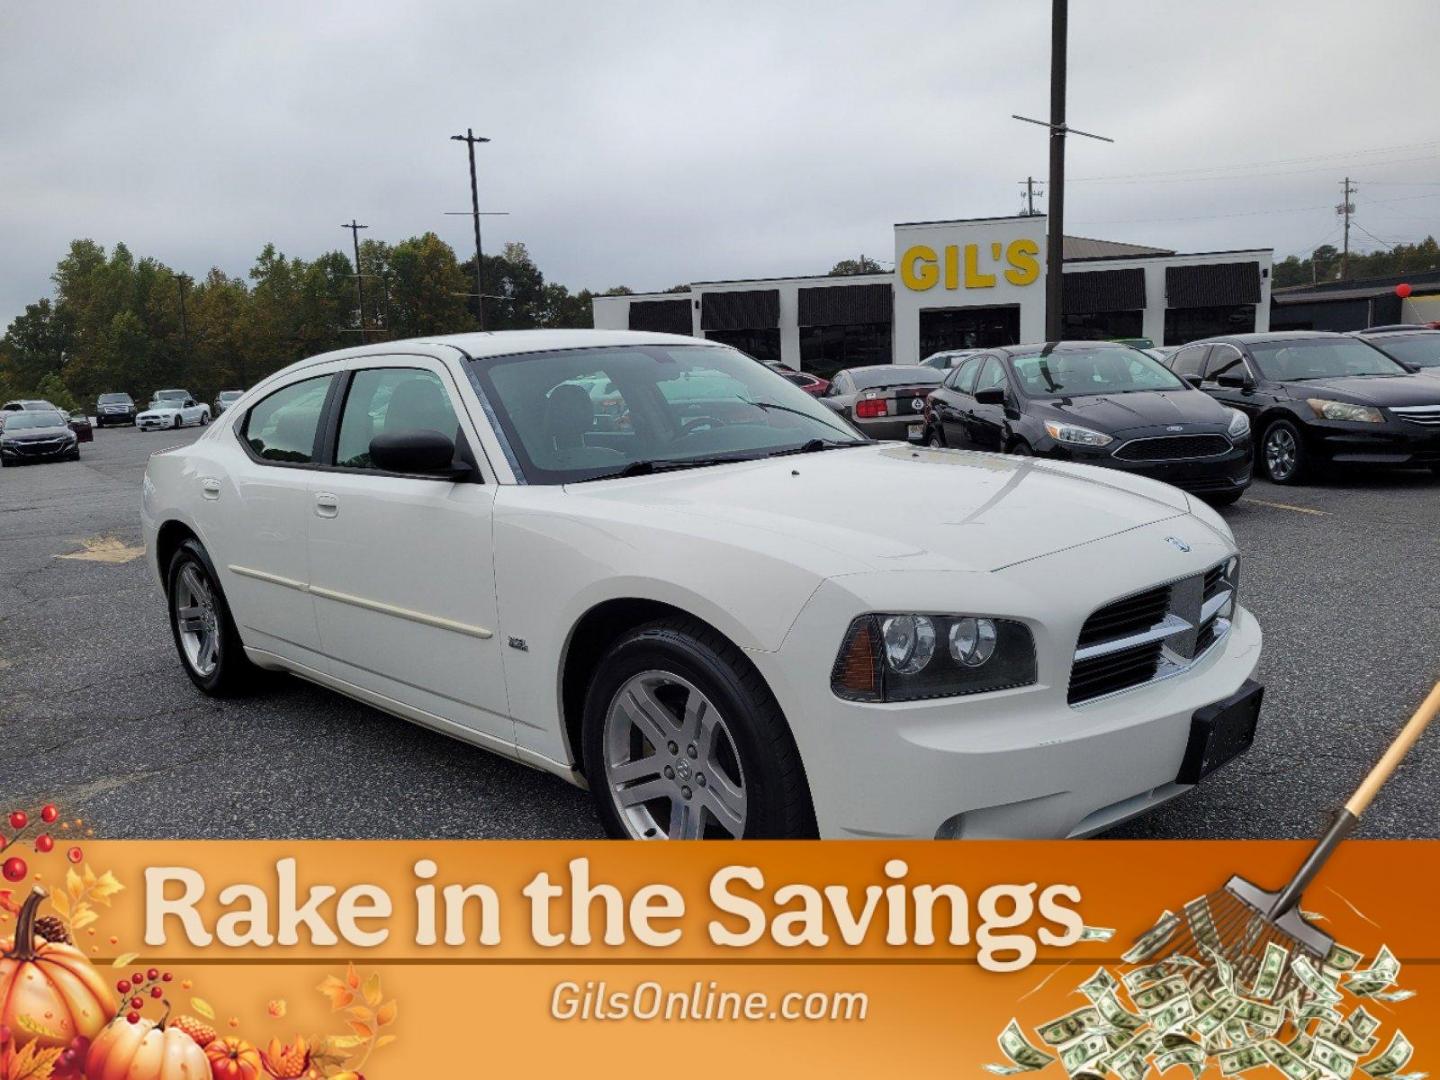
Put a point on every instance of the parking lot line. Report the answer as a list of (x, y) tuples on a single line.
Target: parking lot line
[(1288, 506)]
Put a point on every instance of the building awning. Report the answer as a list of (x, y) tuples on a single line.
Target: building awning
[(1216, 285), (748, 309), (1093, 291), (661, 316), (846, 305)]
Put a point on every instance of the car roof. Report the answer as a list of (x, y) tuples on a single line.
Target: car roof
[(889, 367), (1059, 346), (1415, 332), (1274, 335)]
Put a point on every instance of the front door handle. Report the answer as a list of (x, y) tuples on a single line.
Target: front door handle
[(327, 505), (210, 488)]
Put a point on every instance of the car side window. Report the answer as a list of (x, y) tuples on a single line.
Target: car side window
[(1225, 360), (1189, 360), (968, 373), (840, 384), (993, 376), (282, 426), (388, 401)]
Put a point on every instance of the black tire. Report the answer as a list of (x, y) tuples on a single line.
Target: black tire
[(1020, 448), (1227, 499), (934, 436), (178, 422), (233, 673), (777, 794), (204, 418), (1291, 461)]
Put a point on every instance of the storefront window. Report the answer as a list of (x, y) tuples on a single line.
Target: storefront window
[(824, 350), (1192, 324), (1103, 326), (968, 328), (761, 344)]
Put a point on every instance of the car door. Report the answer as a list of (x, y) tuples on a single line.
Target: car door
[(1228, 379), (954, 401), (986, 422), (1189, 362), (190, 412), (253, 507), (836, 396), (402, 565)]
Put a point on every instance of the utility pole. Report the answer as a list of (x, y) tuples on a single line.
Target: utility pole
[(183, 281), (470, 139), (1030, 194), (1345, 209), (1055, 225), (355, 228)]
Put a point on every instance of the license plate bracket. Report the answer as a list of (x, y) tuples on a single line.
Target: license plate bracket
[(914, 431), (1221, 732)]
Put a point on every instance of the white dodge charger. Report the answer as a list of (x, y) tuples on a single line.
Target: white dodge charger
[(652, 566)]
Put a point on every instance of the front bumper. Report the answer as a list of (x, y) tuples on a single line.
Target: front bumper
[(153, 423), (103, 419), (1394, 442), (1014, 764), (38, 452), (1216, 475)]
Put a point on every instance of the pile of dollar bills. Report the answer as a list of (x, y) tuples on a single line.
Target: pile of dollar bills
[(1195, 1011)]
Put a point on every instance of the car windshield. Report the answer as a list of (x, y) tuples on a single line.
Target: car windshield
[(170, 395), (1299, 359), (893, 375), (22, 420), (230, 395), (584, 414), (1076, 372), (114, 399), (1422, 350)]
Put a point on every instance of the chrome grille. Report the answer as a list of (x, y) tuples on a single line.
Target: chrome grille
[(1151, 635), (1174, 448), (1429, 415)]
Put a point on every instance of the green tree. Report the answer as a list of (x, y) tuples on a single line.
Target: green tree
[(863, 265)]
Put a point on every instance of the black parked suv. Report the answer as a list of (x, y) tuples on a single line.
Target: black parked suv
[(1096, 403), (114, 409), (1314, 397)]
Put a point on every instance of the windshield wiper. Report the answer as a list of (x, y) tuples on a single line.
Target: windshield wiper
[(815, 446), (646, 466), (770, 405)]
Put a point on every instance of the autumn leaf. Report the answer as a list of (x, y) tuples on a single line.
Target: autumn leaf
[(83, 917), (7, 902), (35, 1027), (33, 1063), (88, 876), (386, 1013), (365, 1031), (60, 902), (73, 884), (339, 994), (361, 1013), (341, 1043), (203, 1007), (124, 959), (352, 977), (372, 989), (384, 1040)]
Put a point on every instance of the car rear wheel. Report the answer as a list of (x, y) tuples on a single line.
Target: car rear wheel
[(175, 423), (1283, 452), (205, 635), (1020, 448), (933, 437), (683, 740)]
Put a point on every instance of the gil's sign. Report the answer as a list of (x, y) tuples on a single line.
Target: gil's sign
[(970, 266)]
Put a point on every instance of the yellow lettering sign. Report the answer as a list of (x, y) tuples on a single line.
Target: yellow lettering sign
[(918, 269), (973, 278), (921, 267), (1024, 265)]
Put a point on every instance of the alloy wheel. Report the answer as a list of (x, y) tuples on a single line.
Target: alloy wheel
[(197, 621), (1280, 453), (671, 764)]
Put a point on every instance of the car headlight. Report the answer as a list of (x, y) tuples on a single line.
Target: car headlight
[(1075, 435), (1343, 410), (908, 657), (1239, 424)]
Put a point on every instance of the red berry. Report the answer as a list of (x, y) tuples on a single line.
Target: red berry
[(156, 992), (133, 1017), (44, 844), (19, 819), (137, 1003), (166, 977), (123, 986), (152, 974), (137, 978), (15, 869), (75, 854), (49, 813)]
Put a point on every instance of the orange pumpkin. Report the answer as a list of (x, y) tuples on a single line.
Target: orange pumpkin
[(50, 984), (233, 1059), (145, 1051)]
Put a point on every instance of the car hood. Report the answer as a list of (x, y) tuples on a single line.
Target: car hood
[(157, 409), (1142, 409), (892, 507), (1371, 390), (35, 434)]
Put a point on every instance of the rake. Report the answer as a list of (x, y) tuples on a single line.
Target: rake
[(1239, 921)]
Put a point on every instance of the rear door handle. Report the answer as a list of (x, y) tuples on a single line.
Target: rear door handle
[(327, 505), (210, 488)]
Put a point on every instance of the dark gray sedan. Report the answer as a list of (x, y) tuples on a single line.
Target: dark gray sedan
[(37, 436), (886, 401)]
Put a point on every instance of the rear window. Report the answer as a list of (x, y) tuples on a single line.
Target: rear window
[(114, 399), (900, 376), (282, 426)]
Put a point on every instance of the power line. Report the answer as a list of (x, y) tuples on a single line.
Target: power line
[(1245, 176), (1259, 164)]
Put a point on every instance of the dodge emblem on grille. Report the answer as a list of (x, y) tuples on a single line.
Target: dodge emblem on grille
[(1176, 542), (1176, 427)]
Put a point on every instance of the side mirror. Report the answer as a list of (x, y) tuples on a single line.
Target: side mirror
[(1234, 382), (991, 395), (418, 451), (1194, 379)]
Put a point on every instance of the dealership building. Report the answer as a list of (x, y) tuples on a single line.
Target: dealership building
[(963, 284)]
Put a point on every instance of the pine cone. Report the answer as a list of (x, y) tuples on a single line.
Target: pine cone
[(52, 929)]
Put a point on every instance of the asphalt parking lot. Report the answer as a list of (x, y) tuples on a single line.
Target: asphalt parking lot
[(96, 714)]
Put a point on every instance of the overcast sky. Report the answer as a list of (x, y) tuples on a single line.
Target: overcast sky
[(652, 143)]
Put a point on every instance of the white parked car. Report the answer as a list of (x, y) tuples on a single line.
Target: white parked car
[(166, 410), (732, 617)]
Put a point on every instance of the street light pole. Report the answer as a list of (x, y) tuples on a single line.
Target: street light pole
[(470, 139), (355, 228), (1055, 209)]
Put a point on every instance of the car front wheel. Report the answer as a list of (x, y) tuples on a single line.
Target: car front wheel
[(684, 741), (933, 437), (200, 621), (1283, 452)]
